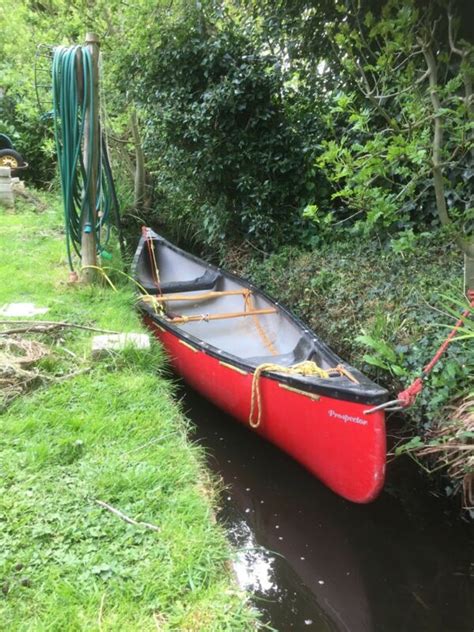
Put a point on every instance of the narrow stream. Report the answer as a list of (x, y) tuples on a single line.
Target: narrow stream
[(316, 562)]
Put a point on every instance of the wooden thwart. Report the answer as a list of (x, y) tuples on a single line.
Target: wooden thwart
[(206, 317), (193, 297)]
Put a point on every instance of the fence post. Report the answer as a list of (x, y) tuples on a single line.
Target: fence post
[(91, 152), (468, 273)]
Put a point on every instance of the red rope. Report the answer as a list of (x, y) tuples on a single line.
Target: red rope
[(407, 397)]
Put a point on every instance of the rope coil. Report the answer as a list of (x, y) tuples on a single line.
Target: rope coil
[(307, 368)]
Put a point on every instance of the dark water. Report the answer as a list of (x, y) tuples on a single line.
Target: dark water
[(316, 562)]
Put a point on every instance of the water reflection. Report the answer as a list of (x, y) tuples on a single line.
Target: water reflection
[(253, 565), (316, 562)]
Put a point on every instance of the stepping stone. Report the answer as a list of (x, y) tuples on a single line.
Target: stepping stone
[(20, 310), (104, 345), (6, 193)]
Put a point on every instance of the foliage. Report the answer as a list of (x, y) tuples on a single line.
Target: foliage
[(386, 141), (274, 122), (221, 142), (449, 446)]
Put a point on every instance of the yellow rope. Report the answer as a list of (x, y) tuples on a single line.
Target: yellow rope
[(155, 266), (249, 306), (306, 368)]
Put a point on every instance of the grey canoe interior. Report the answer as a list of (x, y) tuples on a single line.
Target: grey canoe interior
[(277, 337)]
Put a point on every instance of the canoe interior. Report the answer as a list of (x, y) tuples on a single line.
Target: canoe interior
[(278, 338), (272, 337)]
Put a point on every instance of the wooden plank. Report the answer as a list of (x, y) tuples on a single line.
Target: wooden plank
[(312, 396), (206, 317), (185, 344), (91, 154), (195, 297), (233, 368)]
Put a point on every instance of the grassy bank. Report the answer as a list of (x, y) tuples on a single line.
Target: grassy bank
[(386, 308), (107, 431)]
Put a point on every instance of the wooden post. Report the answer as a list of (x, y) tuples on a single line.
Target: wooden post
[(91, 151), (468, 273)]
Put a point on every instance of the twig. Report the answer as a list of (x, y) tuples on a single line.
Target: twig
[(159, 620), (450, 446), (148, 443), (68, 376), (69, 352), (346, 219), (452, 45), (436, 309), (47, 325), (126, 518), (263, 252), (381, 97)]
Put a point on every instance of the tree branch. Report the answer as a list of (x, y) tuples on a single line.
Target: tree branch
[(45, 326), (437, 136), (139, 189), (369, 94), (126, 518), (466, 245), (452, 45), (424, 76)]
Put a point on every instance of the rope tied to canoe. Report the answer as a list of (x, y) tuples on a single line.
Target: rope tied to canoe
[(155, 272), (407, 397), (307, 368)]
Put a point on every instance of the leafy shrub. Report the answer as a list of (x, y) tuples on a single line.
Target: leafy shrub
[(227, 159)]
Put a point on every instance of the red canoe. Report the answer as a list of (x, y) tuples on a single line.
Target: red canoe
[(262, 365)]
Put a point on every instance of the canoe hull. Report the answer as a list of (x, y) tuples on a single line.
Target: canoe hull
[(332, 438)]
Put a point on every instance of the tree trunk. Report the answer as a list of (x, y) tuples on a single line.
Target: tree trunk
[(139, 189), (465, 244)]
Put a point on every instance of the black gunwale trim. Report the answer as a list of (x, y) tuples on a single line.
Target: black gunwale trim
[(366, 391)]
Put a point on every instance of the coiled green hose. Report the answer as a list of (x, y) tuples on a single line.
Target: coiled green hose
[(71, 71)]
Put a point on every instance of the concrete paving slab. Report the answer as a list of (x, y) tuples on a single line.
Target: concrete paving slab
[(21, 310), (104, 344)]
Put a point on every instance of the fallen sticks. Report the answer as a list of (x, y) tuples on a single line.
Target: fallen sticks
[(45, 326), (124, 517)]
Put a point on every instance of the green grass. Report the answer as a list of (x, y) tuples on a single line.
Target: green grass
[(113, 434)]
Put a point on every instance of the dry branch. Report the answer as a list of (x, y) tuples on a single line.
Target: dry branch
[(17, 370), (46, 326), (451, 447), (124, 517)]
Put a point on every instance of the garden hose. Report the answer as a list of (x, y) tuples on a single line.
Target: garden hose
[(71, 71)]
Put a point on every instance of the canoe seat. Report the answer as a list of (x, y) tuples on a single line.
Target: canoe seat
[(206, 281), (303, 350)]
